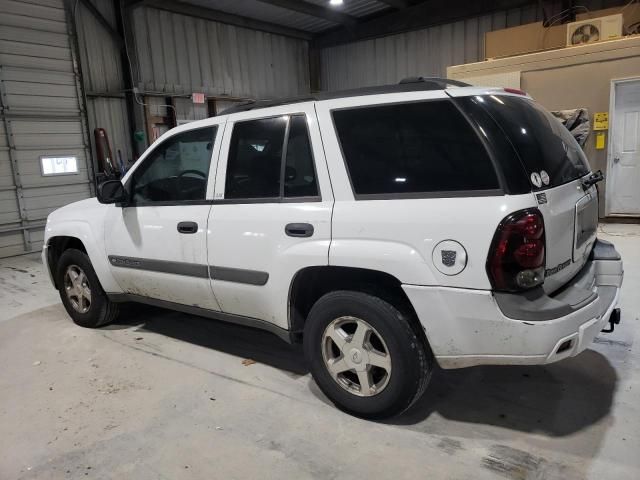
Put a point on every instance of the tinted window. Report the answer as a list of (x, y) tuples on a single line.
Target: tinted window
[(542, 142), (256, 158), (412, 148), (176, 170), (300, 176), (515, 180)]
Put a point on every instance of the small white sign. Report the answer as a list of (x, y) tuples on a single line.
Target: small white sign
[(64, 165), (544, 176), (536, 180)]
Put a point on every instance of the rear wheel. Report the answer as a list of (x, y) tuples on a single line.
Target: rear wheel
[(365, 355), (80, 291)]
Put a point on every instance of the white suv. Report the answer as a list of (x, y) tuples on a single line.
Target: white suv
[(387, 229)]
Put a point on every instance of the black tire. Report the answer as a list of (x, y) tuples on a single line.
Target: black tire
[(100, 311), (411, 358)]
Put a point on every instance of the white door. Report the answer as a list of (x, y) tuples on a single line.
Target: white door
[(157, 245), (271, 215), (623, 184)]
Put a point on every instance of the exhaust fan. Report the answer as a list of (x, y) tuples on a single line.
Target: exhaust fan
[(594, 30)]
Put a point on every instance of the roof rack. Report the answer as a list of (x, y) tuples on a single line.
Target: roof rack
[(411, 84), (442, 82)]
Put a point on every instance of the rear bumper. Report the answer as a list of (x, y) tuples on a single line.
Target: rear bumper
[(470, 327)]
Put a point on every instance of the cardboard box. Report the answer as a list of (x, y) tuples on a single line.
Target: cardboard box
[(532, 37)]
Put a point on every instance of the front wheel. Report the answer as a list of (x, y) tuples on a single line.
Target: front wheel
[(80, 291), (365, 355)]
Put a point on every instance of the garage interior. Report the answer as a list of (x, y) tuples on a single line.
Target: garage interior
[(87, 85)]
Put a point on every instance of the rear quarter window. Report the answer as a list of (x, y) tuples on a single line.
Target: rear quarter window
[(541, 141), (412, 149)]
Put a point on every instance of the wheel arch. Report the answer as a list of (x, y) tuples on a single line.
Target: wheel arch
[(56, 246), (311, 283), (85, 237)]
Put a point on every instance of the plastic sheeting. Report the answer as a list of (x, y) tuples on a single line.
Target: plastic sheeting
[(577, 122)]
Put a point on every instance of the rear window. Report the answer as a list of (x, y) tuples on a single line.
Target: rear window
[(544, 145), (412, 148)]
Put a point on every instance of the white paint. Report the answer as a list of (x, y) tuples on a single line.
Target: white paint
[(252, 236), (466, 327), (462, 321)]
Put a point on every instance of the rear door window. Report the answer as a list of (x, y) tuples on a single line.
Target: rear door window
[(544, 145), (255, 156), (299, 173), (413, 149), (271, 159)]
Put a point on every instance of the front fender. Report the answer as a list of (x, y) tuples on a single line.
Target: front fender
[(91, 234)]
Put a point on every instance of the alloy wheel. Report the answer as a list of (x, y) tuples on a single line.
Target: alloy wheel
[(77, 288), (356, 356)]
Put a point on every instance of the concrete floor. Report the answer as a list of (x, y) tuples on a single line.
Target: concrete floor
[(162, 395)]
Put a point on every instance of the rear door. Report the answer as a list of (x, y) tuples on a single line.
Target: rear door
[(271, 216), (555, 164)]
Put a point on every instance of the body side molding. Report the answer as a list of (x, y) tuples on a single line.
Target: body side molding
[(226, 274)]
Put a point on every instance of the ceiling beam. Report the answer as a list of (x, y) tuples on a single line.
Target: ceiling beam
[(422, 15), (103, 21), (314, 10), (188, 9), (399, 4)]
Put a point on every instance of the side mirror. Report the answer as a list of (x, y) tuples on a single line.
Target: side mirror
[(111, 191)]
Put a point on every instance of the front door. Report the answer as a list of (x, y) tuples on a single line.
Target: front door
[(271, 215), (623, 184), (157, 245)]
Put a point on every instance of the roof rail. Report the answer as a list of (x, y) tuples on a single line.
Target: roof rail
[(412, 84), (443, 82)]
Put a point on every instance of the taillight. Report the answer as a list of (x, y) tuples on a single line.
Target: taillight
[(516, 259), (515, 91)]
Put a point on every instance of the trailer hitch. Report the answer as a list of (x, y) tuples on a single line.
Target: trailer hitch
[(614, 320)]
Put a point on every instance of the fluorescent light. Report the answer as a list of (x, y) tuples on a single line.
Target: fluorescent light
[(336, 2)]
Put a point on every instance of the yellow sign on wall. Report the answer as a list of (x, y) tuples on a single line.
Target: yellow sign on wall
[(600, 140), (601, 121)]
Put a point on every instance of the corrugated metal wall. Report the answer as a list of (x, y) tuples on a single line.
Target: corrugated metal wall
[(41, 115), (178, 54), (426, 52), (103, 77), (186, 110)]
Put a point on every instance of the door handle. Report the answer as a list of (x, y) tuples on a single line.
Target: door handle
[(299, 230), (187, 227)]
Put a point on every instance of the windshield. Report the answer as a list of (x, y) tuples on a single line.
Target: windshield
[(546, 148)]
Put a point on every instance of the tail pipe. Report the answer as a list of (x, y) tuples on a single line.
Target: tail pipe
[(614, 320)]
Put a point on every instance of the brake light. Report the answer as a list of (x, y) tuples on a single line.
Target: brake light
[(517, 256), (515, 91)]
